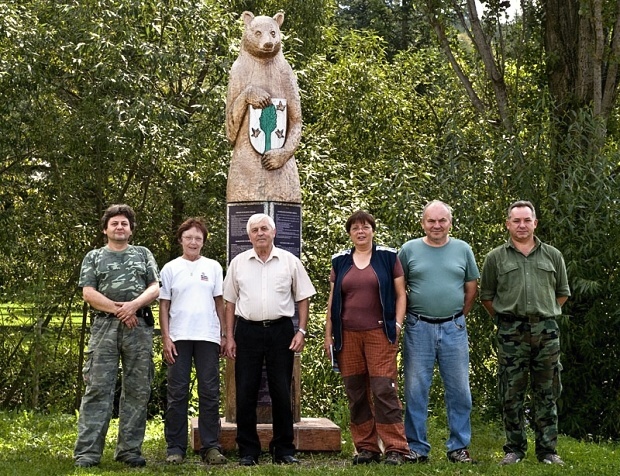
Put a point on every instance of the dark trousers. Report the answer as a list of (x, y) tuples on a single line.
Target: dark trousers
[(206, 357), (256, 344)]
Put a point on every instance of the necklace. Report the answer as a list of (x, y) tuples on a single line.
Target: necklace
[(191, 268)]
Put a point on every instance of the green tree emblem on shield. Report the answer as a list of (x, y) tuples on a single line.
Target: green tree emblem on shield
[(268, 126)]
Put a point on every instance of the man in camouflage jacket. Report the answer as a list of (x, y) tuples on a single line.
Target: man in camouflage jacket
[(119, 281)]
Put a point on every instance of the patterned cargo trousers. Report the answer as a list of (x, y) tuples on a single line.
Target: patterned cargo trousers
[(529, 351), (367, 362), (110, 342)]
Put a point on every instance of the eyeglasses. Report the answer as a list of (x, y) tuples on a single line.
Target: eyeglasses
[(357, 228), (189, 239)]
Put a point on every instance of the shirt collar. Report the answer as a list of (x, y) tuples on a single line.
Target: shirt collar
[(510, 244), (275, 253)]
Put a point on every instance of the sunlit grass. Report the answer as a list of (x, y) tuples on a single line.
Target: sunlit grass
[(35, 444)]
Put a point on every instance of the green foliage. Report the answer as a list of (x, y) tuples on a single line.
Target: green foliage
[(117, 100), (43, 445), (322, 388), (585, 203), (401, 24)]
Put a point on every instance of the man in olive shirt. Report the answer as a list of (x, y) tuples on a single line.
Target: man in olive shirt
[(523, 285)]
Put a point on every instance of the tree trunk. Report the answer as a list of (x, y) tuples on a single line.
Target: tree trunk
[(582, 59), (562, 47)]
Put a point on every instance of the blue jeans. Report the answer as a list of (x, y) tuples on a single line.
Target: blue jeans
[(446, 344)]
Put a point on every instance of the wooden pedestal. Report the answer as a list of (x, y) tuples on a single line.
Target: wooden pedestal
[(311, 434)]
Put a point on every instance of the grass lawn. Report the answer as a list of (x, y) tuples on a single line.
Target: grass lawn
[(34, 444)]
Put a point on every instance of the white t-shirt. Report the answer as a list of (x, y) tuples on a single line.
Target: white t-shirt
[(190, 286)]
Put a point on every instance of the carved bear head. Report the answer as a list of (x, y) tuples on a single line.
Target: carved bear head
[(261, 37)]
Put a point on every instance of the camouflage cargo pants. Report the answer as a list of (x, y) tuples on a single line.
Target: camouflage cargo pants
[(110, 342), (529, 352)]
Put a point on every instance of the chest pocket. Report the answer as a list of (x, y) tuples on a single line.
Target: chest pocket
[(545, 273), (507, 272), (282, 282)]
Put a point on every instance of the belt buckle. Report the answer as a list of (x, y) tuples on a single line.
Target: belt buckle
[(533, 319), (266, 323)]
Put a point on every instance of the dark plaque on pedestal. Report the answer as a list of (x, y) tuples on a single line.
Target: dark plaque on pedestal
[(287, 217), (238, 215)]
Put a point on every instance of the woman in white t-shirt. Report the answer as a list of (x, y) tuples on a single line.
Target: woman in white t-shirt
[(191, 312)]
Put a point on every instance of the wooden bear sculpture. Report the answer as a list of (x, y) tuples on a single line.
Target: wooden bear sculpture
[(263, 117)]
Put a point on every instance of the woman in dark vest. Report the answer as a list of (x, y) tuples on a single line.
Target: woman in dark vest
[(365, 313)]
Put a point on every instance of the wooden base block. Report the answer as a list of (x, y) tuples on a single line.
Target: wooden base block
[(311, 434)]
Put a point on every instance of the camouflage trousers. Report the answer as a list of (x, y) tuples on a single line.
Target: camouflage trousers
[(110, 342), (529, 352)]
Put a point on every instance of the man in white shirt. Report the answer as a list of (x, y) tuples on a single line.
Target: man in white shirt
[(261, 288)]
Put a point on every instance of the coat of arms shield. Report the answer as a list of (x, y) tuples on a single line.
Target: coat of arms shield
[(268, 126)]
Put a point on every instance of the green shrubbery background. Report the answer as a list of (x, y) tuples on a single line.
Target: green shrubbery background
[(105, 101)]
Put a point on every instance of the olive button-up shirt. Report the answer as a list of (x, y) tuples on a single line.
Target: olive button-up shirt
[(524, 285)]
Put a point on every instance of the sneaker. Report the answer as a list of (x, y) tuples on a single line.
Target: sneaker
[(174, 459), (510, 458), (552, 459), (366, 457), (460, 456), (393, 458), (415, 457)]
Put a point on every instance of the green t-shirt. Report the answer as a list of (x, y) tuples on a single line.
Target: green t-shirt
[(522, 285), (119, 275), (436, 276)]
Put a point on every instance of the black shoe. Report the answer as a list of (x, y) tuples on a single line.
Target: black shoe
[(134, 462), (84, 463), (286, 459), (366, 457), (248, 461)]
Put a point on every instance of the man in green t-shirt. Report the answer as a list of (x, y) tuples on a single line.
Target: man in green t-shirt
[(119, 281), (523, 286), (442, 282)]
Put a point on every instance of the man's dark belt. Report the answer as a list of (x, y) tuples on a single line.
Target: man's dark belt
[(439, 320), (531, 318), (144, 312), (105, 314), (264, 323)]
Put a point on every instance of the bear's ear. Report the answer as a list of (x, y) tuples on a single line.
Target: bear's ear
[(279, 18), (247, 18)]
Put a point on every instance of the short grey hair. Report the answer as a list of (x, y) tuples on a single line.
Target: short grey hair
[(258, 217), (437, 202), (520, 204)]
